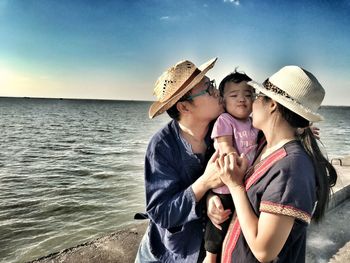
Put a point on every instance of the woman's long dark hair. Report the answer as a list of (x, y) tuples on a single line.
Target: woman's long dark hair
[(325, 173)]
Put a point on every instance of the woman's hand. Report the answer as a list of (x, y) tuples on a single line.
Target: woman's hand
[(232, 169), (215, 211)]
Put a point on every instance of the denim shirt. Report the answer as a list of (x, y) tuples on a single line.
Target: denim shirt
[(177, 221)]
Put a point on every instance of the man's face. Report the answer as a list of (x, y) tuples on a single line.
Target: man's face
[(206, 105)]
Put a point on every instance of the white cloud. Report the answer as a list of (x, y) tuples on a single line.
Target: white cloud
[(165, 18), (235, 2)]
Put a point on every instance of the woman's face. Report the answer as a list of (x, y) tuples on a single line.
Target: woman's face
[(259, 115)]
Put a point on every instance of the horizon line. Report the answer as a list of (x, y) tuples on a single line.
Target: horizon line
[(136, 100), (63, 98)]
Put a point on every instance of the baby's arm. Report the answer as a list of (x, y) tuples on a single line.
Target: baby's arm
[(225, 144)]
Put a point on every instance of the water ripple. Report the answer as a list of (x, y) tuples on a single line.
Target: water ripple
[(73, 170)]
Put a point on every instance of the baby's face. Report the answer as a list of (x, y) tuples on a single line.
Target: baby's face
[(238, 99)]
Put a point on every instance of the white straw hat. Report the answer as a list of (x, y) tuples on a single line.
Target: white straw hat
[(296, 89), (175, 83)]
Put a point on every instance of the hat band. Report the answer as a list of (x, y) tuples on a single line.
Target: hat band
[(269, 86), (272, 88)]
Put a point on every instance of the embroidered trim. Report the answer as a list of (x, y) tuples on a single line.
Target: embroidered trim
[(274, 208), (263, 166), (231, 240)]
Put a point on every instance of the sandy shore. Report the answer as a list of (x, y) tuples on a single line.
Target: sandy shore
[(343, 255), (118, 247), (121, 246)]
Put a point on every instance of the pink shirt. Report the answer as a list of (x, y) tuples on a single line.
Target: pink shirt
[(244, 137)]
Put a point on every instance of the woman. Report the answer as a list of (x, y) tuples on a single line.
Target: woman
[(289, 182)]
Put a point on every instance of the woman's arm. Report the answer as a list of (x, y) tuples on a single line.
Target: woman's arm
[(265, 235)]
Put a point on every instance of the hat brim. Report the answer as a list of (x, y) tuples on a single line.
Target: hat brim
[(158, 107), (290, 104)]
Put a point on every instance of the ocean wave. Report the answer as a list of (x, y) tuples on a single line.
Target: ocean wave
[(71, 170)]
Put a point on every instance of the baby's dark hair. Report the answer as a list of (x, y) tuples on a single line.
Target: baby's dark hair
[(235, 77)]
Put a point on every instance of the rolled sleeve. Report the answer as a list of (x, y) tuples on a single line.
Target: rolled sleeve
[(291, 191)]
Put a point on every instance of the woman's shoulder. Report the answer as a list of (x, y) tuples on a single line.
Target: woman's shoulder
[(295, 150), (296, 160)]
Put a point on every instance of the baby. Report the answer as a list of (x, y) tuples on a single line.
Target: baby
[(232, 132)]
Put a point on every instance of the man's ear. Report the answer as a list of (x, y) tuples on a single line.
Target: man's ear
[(182, 107)]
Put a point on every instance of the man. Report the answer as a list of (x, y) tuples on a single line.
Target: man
[(177, 171)]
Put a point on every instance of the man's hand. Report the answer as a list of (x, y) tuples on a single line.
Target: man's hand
[(211, 174)]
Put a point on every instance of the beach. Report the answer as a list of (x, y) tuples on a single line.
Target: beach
[(323, 245)]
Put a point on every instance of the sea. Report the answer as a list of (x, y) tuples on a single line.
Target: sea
[(72, 170)]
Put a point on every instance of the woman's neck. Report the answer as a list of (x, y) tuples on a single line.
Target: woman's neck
[(277, 129), (277, 138)]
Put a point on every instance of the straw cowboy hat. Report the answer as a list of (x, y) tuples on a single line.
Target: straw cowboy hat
[(296, 89), (175, 83)]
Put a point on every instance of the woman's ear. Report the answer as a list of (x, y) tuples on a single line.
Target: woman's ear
[(273, 106)]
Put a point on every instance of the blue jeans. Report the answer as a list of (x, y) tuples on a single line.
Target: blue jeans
[(144, 253)]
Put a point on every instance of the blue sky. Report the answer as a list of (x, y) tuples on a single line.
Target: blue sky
[(117, 49)]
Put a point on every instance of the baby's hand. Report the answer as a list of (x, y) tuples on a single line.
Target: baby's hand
[(232, 169), (215, 211)]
